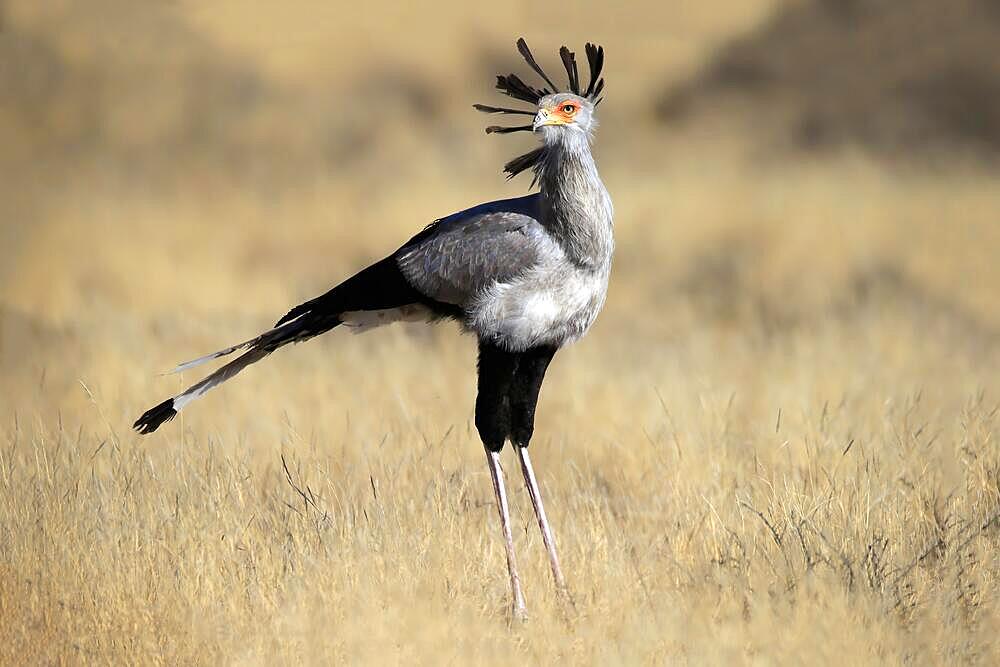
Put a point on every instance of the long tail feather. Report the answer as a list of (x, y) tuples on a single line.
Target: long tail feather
[(153, 418), (179, 368), (260, 347), (381, 286)]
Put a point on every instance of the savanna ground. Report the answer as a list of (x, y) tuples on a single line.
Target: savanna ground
[(778, 445)]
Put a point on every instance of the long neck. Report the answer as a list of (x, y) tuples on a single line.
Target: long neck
[(576, 207)]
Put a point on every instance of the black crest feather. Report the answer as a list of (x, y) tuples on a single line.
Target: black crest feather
[(597, 93), (530, 160), (522, 46), (488, 109), (513, 86), (497, 129), (595, 57), (569, 62)]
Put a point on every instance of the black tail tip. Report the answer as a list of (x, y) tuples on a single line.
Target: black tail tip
[(152, 419)]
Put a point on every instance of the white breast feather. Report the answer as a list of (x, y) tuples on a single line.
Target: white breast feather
[(539, 308)]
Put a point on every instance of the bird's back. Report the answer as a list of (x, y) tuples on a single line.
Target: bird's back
[(458, 256), (508, 273)]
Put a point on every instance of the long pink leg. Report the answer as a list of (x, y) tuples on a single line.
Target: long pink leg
[(543, 522), (493, 458)]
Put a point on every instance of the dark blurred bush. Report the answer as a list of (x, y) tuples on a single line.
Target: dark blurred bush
[(898, 76)]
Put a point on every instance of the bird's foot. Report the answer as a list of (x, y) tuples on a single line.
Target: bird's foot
[(518, 614), (566, 596)]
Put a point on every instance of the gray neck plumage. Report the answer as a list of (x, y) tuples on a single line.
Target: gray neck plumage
[(576, 207)]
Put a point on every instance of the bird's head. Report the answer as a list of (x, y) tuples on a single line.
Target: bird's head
[(563, 112), (558, 116)]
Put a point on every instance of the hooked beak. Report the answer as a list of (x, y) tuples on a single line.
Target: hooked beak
[(543, 117)]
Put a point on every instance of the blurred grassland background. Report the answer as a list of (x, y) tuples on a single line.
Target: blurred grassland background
[(778, 445)]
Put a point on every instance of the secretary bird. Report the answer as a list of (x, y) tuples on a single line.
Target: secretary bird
[(526, 275)]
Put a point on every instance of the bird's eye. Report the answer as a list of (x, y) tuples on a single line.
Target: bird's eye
[(569, 108)]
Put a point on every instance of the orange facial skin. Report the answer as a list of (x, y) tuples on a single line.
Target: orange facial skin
[(563, 113)]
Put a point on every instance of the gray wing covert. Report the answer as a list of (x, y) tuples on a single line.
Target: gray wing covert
[(454, 259)]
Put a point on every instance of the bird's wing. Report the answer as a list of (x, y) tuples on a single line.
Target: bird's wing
[(457, 257)]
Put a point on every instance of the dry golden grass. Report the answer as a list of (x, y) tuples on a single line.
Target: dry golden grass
[(777, 446)]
